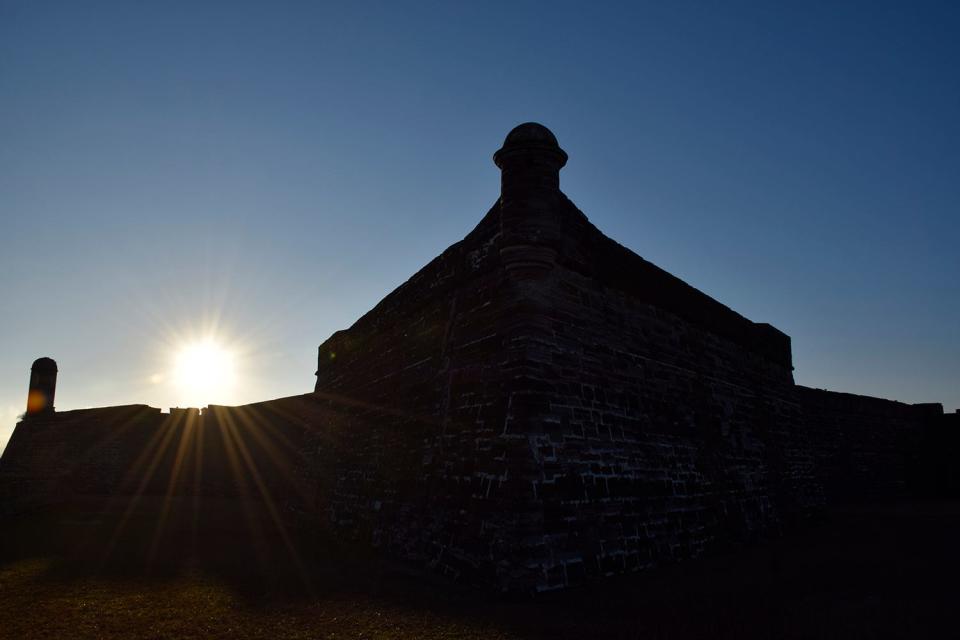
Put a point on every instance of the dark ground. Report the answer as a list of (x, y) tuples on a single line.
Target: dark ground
[(873, 571)]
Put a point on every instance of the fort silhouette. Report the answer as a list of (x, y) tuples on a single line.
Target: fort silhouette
[(536, 408)]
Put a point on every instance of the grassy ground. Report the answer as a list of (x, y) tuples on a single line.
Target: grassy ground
[(222, 569)]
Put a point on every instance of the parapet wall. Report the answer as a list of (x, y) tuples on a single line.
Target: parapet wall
[(254, 450), (867, 448), (53, 456), (940, 473)]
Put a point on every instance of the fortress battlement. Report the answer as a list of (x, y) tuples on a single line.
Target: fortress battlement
[(536, 408)]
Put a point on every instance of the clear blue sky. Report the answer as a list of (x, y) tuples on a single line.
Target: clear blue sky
[(274, 169)]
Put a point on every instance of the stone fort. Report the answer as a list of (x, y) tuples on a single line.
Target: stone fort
[(536, 408)]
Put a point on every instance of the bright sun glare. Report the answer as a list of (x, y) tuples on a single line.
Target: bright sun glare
[(204, 371)]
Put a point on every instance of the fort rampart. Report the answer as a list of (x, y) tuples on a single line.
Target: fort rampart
[(535, 408)]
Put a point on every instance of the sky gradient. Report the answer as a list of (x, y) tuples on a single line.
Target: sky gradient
[(268, 172)]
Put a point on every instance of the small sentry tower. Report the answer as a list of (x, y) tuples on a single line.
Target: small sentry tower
[(43, 386)]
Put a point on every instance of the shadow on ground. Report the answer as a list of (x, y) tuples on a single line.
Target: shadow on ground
[(224, 568)]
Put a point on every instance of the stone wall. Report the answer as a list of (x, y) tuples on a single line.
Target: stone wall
[(940, 474), (52, 456), (440, 356), (871, 448), (584, 415), (580, 412), (254, 450), (658, 438)]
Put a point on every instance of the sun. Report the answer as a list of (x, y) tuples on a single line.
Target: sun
[(204, 371)]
